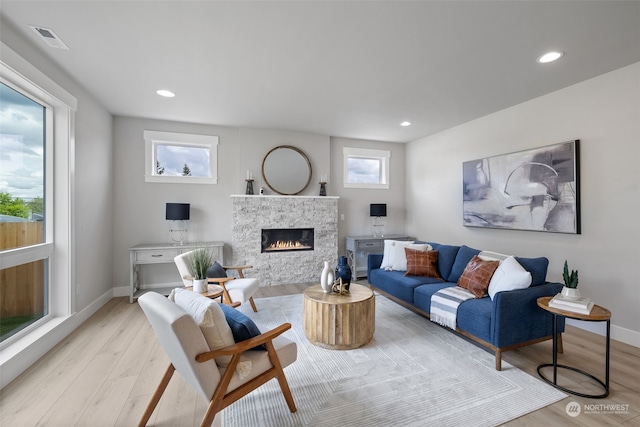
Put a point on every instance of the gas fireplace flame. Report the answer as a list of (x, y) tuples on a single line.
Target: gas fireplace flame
[(290, 244)]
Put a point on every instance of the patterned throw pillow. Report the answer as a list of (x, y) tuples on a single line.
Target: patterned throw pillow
[(477, 276), (422, 263)]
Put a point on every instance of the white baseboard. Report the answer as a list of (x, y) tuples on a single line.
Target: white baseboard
[(618, 333), (20, 355)]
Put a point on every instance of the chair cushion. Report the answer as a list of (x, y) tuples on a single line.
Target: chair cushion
[(241, 326), (216, 271), (212, 322)]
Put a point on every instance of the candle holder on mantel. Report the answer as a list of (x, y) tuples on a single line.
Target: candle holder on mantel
[(249, 187), (323, 188)]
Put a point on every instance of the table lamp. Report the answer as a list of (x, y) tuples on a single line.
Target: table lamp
[(378, 210), (178, 214)]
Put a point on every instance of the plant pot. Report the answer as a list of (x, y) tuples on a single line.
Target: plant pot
[(200, 286), (570, 293)]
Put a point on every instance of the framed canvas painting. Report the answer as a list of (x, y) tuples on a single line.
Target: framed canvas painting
[(534, 190)]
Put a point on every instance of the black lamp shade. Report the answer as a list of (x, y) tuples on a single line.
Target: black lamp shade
[(378, 209), (178, 211)]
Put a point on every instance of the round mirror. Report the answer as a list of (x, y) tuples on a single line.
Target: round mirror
[(286, 170)]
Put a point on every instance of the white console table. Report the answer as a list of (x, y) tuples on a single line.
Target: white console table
[(359, 248), (162, 253)]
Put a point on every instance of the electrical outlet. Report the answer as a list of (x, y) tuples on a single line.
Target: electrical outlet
[(341, 217)]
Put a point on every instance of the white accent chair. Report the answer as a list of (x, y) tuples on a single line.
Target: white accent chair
[(190, 355), (234, 290)]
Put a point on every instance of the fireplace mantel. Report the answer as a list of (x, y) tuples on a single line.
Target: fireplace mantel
[(253, 213)]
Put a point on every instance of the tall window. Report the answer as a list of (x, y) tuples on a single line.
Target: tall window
[(36, 161), (180, 158), (365, 168), (24, 287)]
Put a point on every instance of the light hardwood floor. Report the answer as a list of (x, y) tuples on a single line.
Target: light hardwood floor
[(103, 374)]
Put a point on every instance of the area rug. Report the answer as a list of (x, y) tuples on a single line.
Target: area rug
[(413, 373)]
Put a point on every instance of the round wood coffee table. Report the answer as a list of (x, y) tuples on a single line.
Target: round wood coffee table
[(339, 322)]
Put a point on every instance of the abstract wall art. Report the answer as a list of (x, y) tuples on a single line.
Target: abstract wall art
[(534, 190)]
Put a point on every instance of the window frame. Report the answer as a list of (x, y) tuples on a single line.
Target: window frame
[(152, 139), (382, 156), (57, 249)]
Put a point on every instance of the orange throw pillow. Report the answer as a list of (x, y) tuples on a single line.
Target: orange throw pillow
[(477, 275), (422, 263)]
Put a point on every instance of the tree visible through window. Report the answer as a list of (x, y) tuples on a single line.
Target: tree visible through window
[(22, 183), (181, 157)]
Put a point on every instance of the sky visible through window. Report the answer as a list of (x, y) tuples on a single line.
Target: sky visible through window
[(363, 171), (173, 158), (21, 145)]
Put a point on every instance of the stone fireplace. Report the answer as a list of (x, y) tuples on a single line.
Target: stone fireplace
[(285, 238)]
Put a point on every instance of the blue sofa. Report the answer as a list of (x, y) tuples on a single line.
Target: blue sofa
[(511, 320)]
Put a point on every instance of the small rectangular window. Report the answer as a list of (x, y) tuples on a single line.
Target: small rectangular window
[(181, 158), (365, 168)]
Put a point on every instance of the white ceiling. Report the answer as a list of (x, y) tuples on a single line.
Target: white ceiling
[(352, 69)]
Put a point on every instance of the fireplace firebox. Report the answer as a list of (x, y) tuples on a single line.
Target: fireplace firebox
[(287, 239)]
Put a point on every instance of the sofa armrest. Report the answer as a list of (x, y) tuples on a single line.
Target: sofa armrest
[(516, 317), (373, 261)]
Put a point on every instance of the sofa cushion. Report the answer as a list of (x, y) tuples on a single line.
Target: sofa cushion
[(422, 263), (537, 267), (390, 252), (397, 284), (474, 317), (400, 256), (463, 257), (477, 275), (423, 293), (508, 276), (446, 257)]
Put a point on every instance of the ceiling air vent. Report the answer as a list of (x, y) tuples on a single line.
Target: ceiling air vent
[(49, 37)]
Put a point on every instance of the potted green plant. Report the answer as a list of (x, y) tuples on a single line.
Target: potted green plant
[(201, 260), (570, 289)]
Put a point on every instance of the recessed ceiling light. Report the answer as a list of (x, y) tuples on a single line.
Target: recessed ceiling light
[(550, 57), (405, 123), (165, 93)]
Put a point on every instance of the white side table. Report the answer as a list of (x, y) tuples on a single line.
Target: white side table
[(162, 253)]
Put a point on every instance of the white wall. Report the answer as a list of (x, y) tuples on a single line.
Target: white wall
[(92, 224), (604, 114), (139, 207), (354, 202)]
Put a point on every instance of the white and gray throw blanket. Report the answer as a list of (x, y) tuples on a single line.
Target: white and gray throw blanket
[(444, 305)]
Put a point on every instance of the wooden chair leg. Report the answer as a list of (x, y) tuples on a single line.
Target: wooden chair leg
[(210, 415), (282, 380), (498, 360), (156, 396), (253, 305)]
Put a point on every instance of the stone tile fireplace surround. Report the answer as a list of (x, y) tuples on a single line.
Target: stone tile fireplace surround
[(252, 214)]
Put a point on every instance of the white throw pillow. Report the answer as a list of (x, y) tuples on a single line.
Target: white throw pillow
[(400, 256), (387, 257), (508, 276), (213, 324)]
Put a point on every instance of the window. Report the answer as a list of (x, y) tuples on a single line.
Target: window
[(36, 157), (180, 158), (364, 168)]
